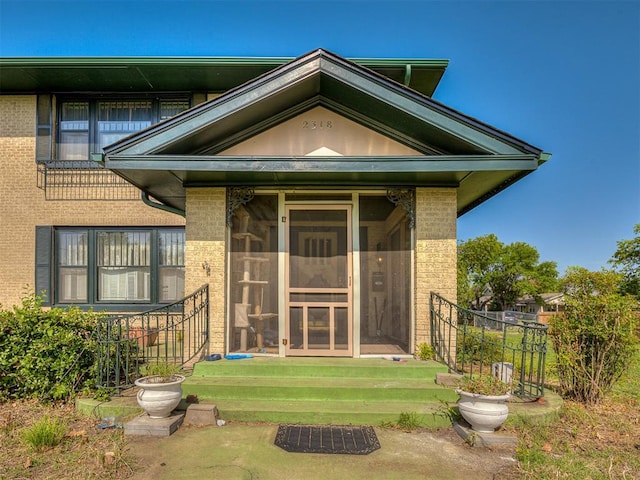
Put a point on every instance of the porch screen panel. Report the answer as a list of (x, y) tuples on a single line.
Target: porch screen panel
[(318, 255), (385, 272), (297, 328), (319, 327), (171, 265), (124, 260), (341, 321), (253, 288), (72, 255)]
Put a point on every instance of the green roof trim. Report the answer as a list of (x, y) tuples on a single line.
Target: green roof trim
[(202, 74), (222, 61), (312, 164)]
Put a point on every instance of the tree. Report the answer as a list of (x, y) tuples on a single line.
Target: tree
[(626, 260), (490, 272), (475, 257)]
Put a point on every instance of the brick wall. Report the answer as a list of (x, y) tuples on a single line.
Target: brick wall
[(205, 244), (436, 252), (23, 206)]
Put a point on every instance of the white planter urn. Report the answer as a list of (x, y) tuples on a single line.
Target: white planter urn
[(157, 396), (484, 413)]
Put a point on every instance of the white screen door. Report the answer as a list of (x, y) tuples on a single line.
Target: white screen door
[(319, 280)]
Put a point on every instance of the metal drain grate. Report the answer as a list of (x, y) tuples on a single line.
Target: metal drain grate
[(347, 440)]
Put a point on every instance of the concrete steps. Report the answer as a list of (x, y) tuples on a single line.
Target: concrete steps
[(321, 390)]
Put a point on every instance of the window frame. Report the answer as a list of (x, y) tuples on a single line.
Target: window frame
[(93, 133), (93, 267)]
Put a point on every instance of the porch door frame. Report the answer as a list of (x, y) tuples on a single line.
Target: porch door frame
[(348, 290)]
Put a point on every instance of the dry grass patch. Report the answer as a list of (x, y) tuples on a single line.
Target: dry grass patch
[(84, 452), (594, 442)]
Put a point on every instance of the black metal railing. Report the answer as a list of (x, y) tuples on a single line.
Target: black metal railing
[(82, 180), (175, 334), (474, 344)]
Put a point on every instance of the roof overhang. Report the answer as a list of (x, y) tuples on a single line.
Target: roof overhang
[(20, 75), (453, 150), (166, 176)]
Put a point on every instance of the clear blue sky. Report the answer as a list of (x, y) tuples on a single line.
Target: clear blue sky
[(561, 75)]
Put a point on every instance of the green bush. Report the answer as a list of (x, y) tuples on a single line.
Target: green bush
[(595, 339), (48, 354), (424, 351)]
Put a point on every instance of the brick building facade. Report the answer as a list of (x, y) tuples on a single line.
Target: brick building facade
[(317, 197)]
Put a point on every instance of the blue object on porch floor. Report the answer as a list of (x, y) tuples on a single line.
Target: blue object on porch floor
[(238, 356), (213, 357), (349, 439)]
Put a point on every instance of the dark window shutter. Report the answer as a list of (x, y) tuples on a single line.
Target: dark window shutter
[(44, 131), (44, 262)]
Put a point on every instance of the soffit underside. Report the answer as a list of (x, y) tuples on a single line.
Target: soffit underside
[(165, 74)]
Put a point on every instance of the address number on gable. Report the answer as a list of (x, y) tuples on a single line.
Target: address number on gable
[(316, 124)]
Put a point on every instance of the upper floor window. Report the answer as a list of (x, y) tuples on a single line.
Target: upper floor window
[(86, 126)]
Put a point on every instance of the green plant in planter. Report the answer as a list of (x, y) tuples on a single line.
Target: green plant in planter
[(160, 390), (163, 371), (482, 402), (485, 385)]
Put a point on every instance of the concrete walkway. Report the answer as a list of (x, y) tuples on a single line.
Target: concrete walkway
[(247, 451)]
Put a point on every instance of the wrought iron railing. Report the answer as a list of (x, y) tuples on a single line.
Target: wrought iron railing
[(82, 180), (474, 344), (175, 334)]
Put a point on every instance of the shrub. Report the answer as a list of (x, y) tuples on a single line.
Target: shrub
[(45, 354), (595, 339), (425, 352)]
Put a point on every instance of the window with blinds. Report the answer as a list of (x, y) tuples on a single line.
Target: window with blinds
[(73, 141), (86, 126), (171, 265), (110, 265), (123, 266), (73, 265), (118, 119)]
